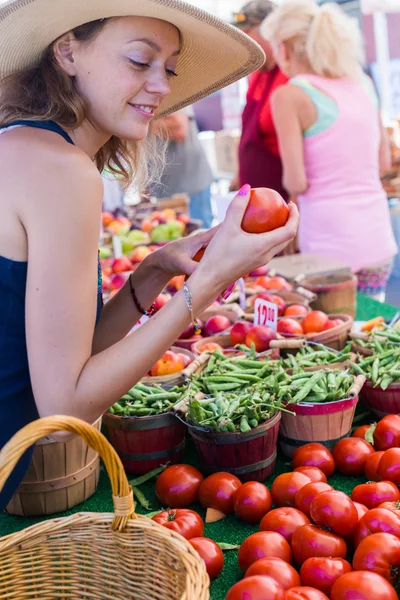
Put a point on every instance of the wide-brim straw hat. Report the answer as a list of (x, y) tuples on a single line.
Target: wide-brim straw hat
[(214, 54)]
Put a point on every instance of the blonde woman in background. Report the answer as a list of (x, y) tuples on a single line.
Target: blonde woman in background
[(331, 139)]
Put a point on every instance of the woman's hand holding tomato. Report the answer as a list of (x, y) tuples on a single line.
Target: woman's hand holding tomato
[(211, 553), (178, 486), (182, 520)]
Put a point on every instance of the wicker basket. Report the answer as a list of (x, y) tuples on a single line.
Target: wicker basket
[(95, 556)]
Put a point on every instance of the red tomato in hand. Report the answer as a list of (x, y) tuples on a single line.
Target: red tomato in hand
[(252, 501), (374, 493), (379, 553), (350, 455), (265, 211), (361, 431), (377, 520), (218, 490), (371, 466), (313, 473), (362, 585), (182, 520), (286, 486), (178, 486), (386, 432), (322, 572), (305, 593), (285, 521), (257, 587), (314, 455), (334, 510), (211, 553), (262, 544), (389, 466), (305, 496), (276, 568), (310, 541)]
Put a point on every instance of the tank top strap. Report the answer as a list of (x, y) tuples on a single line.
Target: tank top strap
[(48, 125)]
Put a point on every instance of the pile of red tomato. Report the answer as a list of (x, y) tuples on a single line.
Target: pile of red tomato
[(343, 548)]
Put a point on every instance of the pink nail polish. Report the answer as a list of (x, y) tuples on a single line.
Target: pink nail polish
[(244, 190)]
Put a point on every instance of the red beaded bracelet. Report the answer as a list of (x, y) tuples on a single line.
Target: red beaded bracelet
[(147, 313)]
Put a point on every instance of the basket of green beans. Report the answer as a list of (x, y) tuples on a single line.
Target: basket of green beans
[(147, 401)]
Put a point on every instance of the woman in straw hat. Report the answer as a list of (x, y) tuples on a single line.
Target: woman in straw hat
[(80, 83)]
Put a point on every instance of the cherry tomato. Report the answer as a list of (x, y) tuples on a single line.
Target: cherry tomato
[(334, 510), (361, 431), (377, 520), (262, 544), (265, 211), (257, 587), (252, 501), (313, 473), (305, 593), (321, 573), (371, 466), (350, 455), (276, 568), (211, 553), (361, 510), (285, 521), (182, 520), (178, 486), (310, 541), (386, 432), (393, 506), (314, 455), (389, 466), (286, 486), (379, 553), (218, 490), (374, 493), (304, 497), (362, 585)]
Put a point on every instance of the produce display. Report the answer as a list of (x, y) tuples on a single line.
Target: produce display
[(145, 401), (382, 367)]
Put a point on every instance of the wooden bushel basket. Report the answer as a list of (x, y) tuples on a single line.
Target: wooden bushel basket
[(60, 476), (336, 293), (95, 556), (382, 402)]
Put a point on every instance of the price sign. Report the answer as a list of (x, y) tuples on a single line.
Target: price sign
[(265, 313)]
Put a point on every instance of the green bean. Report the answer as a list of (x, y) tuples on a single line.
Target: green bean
[(375, 369), (306, 389), (244, 425)]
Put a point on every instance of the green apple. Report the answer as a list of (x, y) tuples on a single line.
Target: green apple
[(105, 252)]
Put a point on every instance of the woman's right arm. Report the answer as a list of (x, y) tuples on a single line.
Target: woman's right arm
[(62, 220)]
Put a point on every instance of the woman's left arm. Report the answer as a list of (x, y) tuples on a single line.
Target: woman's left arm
[(290, 137), (120, 314)]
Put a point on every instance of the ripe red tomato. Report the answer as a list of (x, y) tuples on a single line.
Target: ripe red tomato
[(313, 473), (362, 585), (239, 331), (211, 553), (374, 493), (371, 466), (314, 455), (310, 541), (285, 521), (361, 510), (361, 431), (377, 520), (393, 506), (321, 573), (335, 510), (285, 487), (217, 491), (386, 432), (315, 321), (178, 486), (379, 553), (350, 455), (265, 211), (262, 544), (305, 593), (257, 587), (304, 497), (182, 520), (252, 501), (389, 466), (276, 568)]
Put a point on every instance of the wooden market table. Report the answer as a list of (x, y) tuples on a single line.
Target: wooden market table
[(230, 530)]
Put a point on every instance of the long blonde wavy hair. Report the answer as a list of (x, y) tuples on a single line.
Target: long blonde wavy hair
[(324, 35), (46, 92)]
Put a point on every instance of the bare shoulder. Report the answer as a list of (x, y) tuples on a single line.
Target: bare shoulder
[(287, 95)]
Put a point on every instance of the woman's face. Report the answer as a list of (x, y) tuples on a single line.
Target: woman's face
[(125, 72)]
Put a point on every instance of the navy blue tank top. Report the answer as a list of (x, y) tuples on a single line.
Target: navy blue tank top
[(17, 404)]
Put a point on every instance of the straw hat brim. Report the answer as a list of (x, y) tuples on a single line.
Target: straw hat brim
[(214, 54)]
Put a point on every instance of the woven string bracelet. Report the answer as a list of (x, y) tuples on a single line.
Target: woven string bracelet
[(147, 313)]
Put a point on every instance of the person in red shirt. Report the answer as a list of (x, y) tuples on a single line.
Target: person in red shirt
[(259, 161)]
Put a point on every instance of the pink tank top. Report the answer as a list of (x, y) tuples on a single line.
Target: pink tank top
[(344, 213)]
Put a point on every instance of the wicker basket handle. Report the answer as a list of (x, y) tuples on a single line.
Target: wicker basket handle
[(124, 508)]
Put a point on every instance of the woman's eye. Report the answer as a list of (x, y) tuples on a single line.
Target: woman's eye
[(171, 73), (139, 64)]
